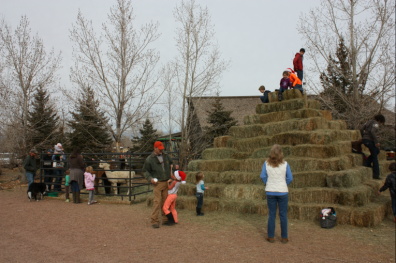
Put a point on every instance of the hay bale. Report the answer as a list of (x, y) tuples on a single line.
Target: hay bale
[(349, 178), (308, 179), (280, 116), (220, 142), (281, 106), (313, 104), (218, 153), (289, 94), (214, 165)]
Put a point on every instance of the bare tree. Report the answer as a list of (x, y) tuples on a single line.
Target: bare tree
[(369, 32), (170, 96), (25, 66), (199, 66), (122, 72)]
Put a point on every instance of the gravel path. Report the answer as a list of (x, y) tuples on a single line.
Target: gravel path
[(55, 231)]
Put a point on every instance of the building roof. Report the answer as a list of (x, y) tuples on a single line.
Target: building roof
[(239, 105)]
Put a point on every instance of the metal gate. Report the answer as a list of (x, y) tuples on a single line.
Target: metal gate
[(52, 172)]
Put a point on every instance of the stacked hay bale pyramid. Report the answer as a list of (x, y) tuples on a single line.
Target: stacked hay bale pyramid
[(318, 150)]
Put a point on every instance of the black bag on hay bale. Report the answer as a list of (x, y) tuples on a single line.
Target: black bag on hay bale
[(328, 218)]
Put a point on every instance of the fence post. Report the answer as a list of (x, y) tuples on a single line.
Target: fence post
[(130, 167)]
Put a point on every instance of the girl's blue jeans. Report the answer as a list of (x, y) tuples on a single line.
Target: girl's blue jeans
[(199, 199), (273, 201)]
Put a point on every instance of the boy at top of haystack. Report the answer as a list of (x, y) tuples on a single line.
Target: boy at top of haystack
[(370, 140), (264, 98), (295, 80), (390, 183)]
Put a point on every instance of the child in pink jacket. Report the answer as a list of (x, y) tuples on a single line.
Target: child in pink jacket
[(89, 184)]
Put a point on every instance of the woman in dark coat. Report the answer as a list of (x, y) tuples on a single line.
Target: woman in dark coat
[(76, 177)]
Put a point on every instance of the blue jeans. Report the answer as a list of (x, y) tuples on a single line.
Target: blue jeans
[(373, 158), (199, 199), (281, 90), (48, 178), (30, 178), (299, 87), (58, 180), (394, 205), (272, 202), (300, 74), (75, 187)]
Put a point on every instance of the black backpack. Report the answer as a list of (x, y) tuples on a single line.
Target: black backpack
[(330, 220)]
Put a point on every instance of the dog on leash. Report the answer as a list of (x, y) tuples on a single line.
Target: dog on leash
[(35, 189)]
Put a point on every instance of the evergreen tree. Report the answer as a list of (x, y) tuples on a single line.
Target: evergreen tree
[(148, 136), (337, 82), (88, 122), (220, 121), (42, 122)]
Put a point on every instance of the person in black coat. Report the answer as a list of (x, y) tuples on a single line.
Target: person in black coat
[(390, 183)]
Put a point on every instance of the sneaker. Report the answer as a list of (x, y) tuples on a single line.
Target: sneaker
[(271, 239), (285, 240), (89, 203), (67, 201)]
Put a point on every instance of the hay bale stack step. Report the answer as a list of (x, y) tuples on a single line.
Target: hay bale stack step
[(354, 196), (294, 104), (223, 153), (365, 216), (289, 94), (270, 129), (311, 151), (294, 138), (285, 115)]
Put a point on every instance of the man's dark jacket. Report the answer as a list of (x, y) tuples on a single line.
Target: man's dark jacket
[(29, 164), (369, 131), (153, 169), (390, 183)]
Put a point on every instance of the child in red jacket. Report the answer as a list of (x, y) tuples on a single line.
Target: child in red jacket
[(179, 178), (298, 63)]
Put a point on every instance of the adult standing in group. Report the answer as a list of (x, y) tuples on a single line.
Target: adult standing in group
[(157, 169), (298, 64), (76, 178), (47, 165), (276, 175), (30, 166)]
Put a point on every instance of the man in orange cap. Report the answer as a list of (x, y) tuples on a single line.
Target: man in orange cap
[(157, 170)]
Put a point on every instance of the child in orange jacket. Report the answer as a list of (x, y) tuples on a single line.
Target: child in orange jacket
[(295, 80)]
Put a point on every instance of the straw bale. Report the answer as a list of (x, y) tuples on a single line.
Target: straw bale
[(296, 138), (313, 104), (220, 142), (289, 94), (214, 165), (280, 116), (364, 216), (350, 177), (281, 106), (312, 151), (218, 153), (308, 179), (308, 124), (302, 164)]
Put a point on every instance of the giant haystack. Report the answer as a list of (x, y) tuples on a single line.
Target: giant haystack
[(318, 149)]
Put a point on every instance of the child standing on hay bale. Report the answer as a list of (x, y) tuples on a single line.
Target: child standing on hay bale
[(89, 184), (276, 175), (200, 191), (390, 183), (179, 178)]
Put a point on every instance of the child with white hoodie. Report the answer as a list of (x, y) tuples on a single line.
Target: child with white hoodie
[(170, 202), (89, 184)]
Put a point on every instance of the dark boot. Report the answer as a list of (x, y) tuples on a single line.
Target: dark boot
[(199, 212), (196, 211), (78, 201), (170, 221)]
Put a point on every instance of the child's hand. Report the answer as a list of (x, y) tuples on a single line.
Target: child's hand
[(206, 188), (170, 180)]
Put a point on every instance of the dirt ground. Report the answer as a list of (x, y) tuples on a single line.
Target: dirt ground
[(55, 231)]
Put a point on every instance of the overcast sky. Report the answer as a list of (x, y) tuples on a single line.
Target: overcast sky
[(259, 37)]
